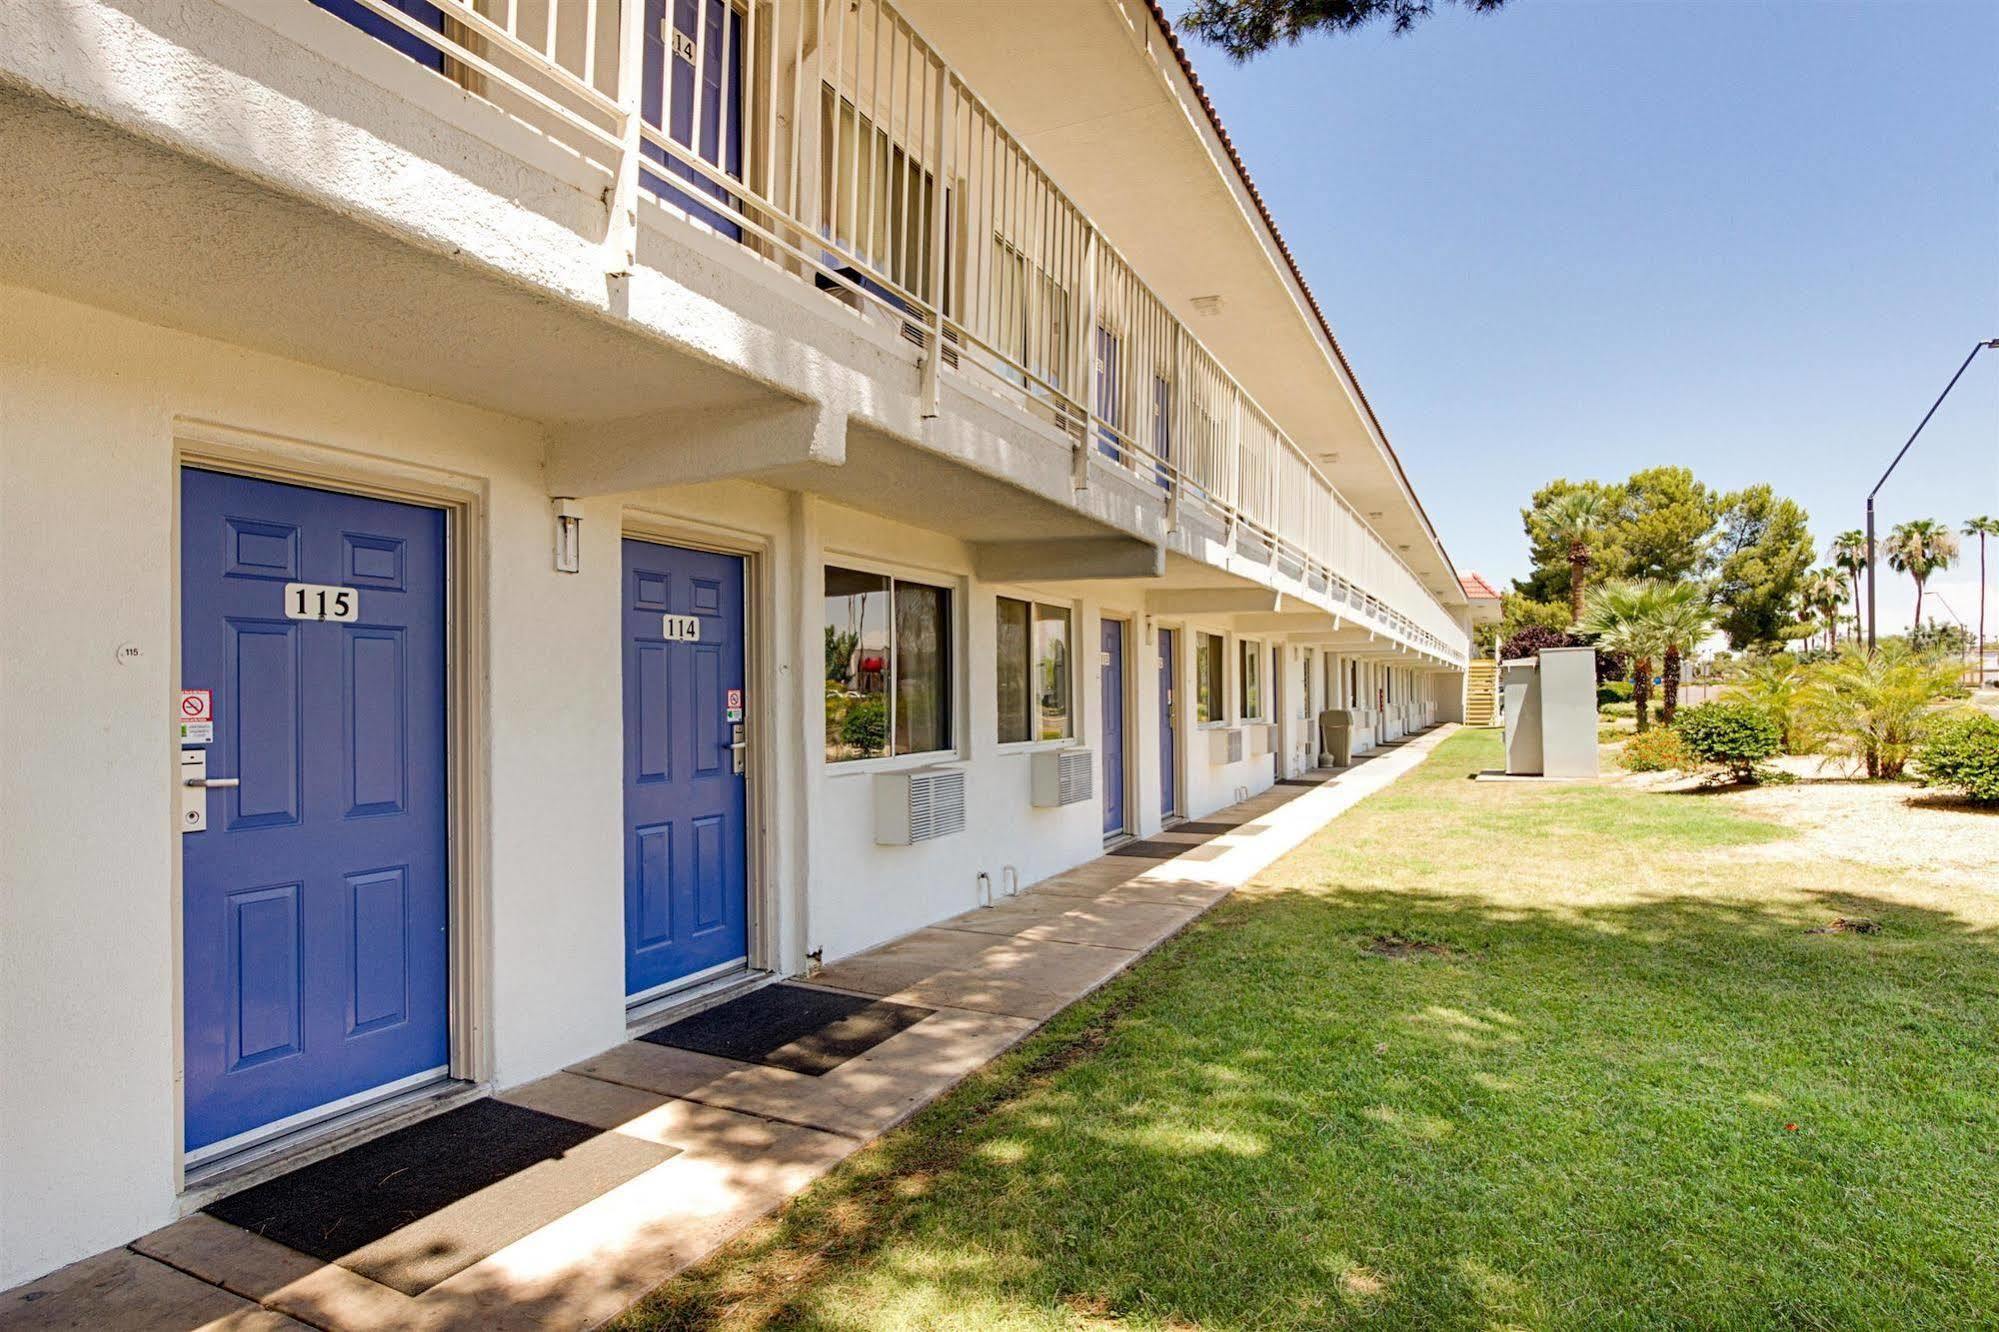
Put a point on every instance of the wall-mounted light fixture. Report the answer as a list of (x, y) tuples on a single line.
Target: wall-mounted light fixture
[(568, 535)]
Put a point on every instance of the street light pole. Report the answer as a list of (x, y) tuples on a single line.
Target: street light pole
[(1872, 556)]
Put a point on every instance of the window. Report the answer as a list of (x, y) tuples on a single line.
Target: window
[(1305, 684), (1033, 671), (1110, 394), (888, 666), (874, 199), (1251, 681), (1207, 678), (1030, 316)]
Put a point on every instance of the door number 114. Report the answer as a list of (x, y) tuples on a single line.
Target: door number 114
[(317, 601)]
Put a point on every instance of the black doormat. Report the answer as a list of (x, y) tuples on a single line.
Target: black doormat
[(1153, 850), (794, 1027), (1303, 781), (418, 1205)]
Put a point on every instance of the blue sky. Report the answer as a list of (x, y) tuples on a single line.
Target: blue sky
[(1578, 238)]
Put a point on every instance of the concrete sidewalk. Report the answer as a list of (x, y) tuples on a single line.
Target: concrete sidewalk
[(748, 1135)]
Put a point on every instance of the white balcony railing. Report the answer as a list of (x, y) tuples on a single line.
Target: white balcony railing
[(828, 137)]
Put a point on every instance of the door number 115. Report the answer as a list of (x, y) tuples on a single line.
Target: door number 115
[(317, 601)]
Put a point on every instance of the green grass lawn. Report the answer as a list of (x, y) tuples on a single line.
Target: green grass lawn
[(1626, 1088)]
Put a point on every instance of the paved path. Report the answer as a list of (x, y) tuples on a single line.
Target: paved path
[(748, 1135)]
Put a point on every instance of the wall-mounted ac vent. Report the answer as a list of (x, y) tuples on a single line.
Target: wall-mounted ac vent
[(1062, 777), (920, 336), (919, 806), (1226, 745)]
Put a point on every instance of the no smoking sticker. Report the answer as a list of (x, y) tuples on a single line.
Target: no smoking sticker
[(196, 717)]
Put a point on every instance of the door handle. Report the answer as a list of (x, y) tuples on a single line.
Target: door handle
[(213, 783)]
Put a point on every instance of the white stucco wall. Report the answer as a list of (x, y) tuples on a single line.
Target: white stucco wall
[(88, 490)]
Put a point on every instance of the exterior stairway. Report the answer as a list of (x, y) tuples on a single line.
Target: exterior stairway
[(1481, 692)]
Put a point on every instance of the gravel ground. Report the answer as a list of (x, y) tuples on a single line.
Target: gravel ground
[(1896, 825)]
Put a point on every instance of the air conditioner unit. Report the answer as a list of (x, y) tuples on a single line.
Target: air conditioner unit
[(1260, 740), (1225, 745), (918, 806), (1061, 777)]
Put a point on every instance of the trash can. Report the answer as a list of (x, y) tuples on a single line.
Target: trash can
[(1336, 736)]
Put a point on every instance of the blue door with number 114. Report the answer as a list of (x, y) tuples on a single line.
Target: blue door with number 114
[(686, 796)]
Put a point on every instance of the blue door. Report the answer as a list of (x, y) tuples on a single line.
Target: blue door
[(668, 104), (1169, 753), (368, 21), (1113, 688), (314, 907), (686, 799)]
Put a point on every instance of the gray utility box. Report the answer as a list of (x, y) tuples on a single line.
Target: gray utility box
[(1336, 736), (1568, 712), (1520, 694), (1551, 713)]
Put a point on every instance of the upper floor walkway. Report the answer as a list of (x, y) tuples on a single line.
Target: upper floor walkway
[(804, 164)]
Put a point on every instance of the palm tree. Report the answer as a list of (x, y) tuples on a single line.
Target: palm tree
[(1850, 553), (1573, 517), (1624, 617), (1981, 528), (1776, 686), (1680, 620), (1824, 591), (1919, 548), (1872, 709)]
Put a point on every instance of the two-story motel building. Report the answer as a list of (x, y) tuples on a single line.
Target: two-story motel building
[(519, 515)]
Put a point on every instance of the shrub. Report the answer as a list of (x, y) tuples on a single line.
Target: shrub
[(1613, 691), (1873, 709), (1625, 709), (865, 727), (1733, 736), (1776, 686), (1658, 750), (1530, 639), (1961, 753)]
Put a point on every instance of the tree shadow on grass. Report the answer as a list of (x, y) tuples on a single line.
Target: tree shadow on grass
[(1575, 1117)]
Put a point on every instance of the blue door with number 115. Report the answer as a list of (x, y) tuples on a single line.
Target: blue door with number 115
[(314, 904)]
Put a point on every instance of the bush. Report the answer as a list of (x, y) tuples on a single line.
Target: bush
[(1962, 754), (1527, 641), (1658, 750), (1613, 691), (1732, 736), (1873, 709), (865, 727), (1625, 709)]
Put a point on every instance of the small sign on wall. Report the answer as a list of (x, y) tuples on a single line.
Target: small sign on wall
[(681, 628), (733, 706)]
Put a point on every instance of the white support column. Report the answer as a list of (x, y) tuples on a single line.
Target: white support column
[(621, 225)]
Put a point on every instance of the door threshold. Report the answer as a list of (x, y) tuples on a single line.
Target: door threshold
[(657, 1012), (203, 1184), (1118, 839)]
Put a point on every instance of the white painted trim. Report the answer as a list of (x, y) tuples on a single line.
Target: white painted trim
[(462, 498)]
